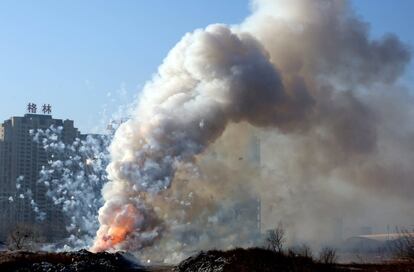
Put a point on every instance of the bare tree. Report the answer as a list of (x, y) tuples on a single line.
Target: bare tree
[(23, 237), (276, 238), (328, 255), (403, 246)]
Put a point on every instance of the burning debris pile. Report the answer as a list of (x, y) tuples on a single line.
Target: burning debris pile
[(77, 261), (305, 74)]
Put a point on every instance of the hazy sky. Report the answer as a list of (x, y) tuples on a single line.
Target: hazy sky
[(88, 57)]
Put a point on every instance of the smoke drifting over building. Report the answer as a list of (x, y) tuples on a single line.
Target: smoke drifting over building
[(22, 199), (303, 76)]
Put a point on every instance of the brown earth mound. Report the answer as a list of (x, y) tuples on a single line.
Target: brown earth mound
[(253, 259), (78, 261), (262, 260)]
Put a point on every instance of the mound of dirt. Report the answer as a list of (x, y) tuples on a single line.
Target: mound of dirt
[(77, 261), (250, 260), (262, 260)]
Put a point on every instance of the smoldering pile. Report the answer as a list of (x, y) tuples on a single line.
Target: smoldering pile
[(76, 261), (309, 80)]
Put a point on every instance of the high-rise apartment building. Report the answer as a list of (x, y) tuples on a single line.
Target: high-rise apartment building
[(21, 158)]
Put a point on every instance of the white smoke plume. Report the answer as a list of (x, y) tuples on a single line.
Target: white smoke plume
[(308, 79)]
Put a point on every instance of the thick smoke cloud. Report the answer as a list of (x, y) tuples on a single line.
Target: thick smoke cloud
[(308, 80), (212, 77)]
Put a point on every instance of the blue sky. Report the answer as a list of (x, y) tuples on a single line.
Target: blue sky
[(86, 57)]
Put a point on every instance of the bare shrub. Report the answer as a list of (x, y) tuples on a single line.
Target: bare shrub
[(305, 251), (328, 255), (23, 237), (275, 239), (403, 246)]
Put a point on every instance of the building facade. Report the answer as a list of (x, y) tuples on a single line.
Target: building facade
[(21, 159)]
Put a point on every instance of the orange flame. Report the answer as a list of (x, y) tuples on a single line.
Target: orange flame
[(120, 225)]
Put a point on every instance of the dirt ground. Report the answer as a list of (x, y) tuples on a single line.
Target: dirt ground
[(240, 260)]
